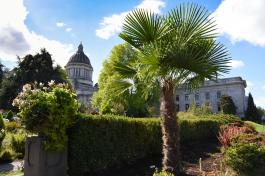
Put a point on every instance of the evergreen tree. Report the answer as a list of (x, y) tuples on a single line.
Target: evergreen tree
[(252, 111), (227, 105)]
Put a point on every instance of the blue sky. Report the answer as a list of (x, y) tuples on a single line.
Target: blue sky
[(59, 26)]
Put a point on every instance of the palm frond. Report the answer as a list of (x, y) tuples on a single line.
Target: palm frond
[(122, 85), (191, 21), (143, 27), (124, 70)]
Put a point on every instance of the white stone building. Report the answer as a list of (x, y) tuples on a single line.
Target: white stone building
[(79, 71), (210, 93)]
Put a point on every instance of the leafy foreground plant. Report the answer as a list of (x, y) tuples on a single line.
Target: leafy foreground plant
[(246, 158), (48, 111), (178, 48), (162, 173)]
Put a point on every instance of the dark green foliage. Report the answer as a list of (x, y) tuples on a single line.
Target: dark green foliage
[(2, 129), (261, 111), (7, 155), (18, 143), (247, 159), (252, 113), (9, 115), (227, 105), (98, 142), (30, 69), (8, 92), (1, 73)]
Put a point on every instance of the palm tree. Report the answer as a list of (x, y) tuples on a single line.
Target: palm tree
[(176, 49)]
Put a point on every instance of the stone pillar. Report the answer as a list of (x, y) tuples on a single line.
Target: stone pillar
[(38, 162)]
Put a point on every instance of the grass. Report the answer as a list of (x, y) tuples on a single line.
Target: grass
[(12, 173), (258, 127)]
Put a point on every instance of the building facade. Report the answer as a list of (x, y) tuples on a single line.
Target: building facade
[(210, 93), (80, 71)]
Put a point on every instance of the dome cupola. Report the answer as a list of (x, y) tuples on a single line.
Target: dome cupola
[(79, 57)]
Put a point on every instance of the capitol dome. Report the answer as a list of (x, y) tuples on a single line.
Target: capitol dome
[(79, 57), (79, 71)]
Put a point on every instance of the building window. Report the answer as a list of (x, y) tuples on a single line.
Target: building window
[(218, 94), (187, 106), (197, 96), (177, 107), (207, 95), (186, 97), (218, 107), (177, 97)]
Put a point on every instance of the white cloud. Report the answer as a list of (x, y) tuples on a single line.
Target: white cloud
[(260, 101), (68, 29), (242, 20), (111, 25), (153, 5), (249, 87), (17, 39), (236, 64), (60, 24)]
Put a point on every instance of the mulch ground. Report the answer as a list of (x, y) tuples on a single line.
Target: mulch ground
[(208, 154)]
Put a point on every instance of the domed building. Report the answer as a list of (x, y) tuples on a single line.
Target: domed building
[(79, 71)]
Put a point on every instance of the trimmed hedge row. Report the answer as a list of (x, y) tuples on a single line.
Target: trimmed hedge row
[(98, 142)]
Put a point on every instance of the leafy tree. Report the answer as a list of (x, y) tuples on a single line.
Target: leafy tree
[(30, 69), (261, 111), (179, 48), (10, 88), (227, 105), (130, 102), (1, 73), (252, 111)]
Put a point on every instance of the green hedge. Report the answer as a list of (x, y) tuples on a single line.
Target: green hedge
[(98, 142)]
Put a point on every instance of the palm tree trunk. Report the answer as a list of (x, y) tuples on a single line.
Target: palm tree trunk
[(170, 129)]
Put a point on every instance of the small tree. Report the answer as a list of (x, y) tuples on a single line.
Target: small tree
[(252, 111), (227, 105)]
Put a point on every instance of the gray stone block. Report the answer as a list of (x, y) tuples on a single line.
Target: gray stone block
[(38, 162)]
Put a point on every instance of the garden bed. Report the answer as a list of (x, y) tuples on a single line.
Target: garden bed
[(209, 152)]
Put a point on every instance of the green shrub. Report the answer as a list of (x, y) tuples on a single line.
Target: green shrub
[(9, 115), (247, 159), (162, 173), (48, 111), (12, 126), (7, 155), (204, 109), (227, 105), (2, 129), (18, 143), (99, 142)]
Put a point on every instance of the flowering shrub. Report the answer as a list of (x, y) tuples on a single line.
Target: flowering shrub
[(47, 111), (231, 131)]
